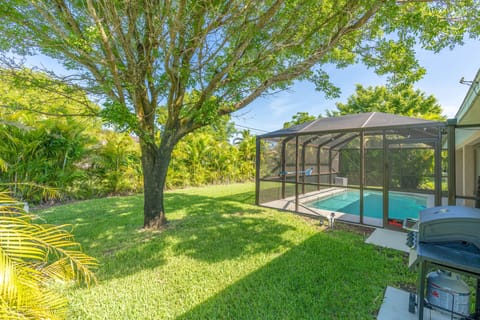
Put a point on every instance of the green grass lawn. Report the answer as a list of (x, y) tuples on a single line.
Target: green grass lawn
[(222, 257)]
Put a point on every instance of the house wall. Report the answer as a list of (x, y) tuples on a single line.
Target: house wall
[(459, 171), (468, 165), (469, 173), (467, 136)]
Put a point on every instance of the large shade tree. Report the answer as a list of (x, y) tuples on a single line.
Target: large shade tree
[(205, 59)]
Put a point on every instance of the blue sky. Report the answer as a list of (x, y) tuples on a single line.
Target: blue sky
[(444, 71)]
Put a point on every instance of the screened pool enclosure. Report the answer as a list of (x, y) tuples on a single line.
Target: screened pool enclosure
[(373, 168)]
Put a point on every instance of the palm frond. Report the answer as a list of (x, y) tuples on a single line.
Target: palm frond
[(47, 191), (3, 165), (31, 257)]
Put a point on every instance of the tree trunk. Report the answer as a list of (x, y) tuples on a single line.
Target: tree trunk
[(155, 164)]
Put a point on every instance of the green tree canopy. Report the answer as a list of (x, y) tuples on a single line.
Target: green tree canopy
[(28, 96), (400, 100), (205, 59), (414, 167), (299, 118)]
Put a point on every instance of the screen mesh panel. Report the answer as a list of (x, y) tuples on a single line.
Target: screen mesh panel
[(373, 152)]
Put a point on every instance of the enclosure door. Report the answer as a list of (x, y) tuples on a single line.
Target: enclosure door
[(410, 181)]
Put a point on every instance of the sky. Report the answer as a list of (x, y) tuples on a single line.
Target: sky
[(443, 73)]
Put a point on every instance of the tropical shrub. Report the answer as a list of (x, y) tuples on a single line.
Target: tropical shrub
[(113, 165), (207, 157), (48, 144), (44, 134)]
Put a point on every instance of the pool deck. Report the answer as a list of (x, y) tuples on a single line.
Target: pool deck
[(288, 204)]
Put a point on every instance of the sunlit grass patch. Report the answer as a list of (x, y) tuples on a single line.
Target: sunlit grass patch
[(221, 257)]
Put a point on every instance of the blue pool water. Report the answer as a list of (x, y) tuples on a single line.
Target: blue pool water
[(400, 205)]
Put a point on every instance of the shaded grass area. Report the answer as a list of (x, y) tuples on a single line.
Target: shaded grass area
[(221, 257)]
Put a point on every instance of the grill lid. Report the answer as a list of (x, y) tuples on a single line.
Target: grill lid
[(450, 224)]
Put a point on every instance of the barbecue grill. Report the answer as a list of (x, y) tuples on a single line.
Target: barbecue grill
[(445, 238)]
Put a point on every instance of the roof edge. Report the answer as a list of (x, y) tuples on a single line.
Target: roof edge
[(426, 124), (472, 93)]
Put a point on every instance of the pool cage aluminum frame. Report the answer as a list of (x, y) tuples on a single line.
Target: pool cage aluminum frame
[(328, 134)]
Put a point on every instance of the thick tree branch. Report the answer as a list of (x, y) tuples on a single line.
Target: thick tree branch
[(112, 62), (300, 68), (75, 53), (239, 51)]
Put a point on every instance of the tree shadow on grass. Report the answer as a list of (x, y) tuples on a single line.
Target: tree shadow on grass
[(209, 229), (130, 260), (243, 197), (331, 275), (108, 230), (205, 228), (175, 201), (217, 229)]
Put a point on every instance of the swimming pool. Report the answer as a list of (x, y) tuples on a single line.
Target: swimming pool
[(401, 205)]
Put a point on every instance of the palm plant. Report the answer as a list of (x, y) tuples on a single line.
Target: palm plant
[(3, 165), (198, 148), (33, 258), (116, 162), (42, 143), (246, 145)]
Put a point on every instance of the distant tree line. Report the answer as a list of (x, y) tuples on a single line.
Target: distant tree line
[(51, 151)]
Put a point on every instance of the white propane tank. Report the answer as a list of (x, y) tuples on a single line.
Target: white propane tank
[(448, 291)]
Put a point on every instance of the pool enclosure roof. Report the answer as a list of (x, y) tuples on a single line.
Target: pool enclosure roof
[(356, 122), (366, 151)]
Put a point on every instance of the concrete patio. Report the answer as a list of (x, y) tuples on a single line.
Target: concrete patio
[(395, 301), (395, 307)]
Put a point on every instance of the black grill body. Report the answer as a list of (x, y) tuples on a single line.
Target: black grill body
[(445, 238)]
